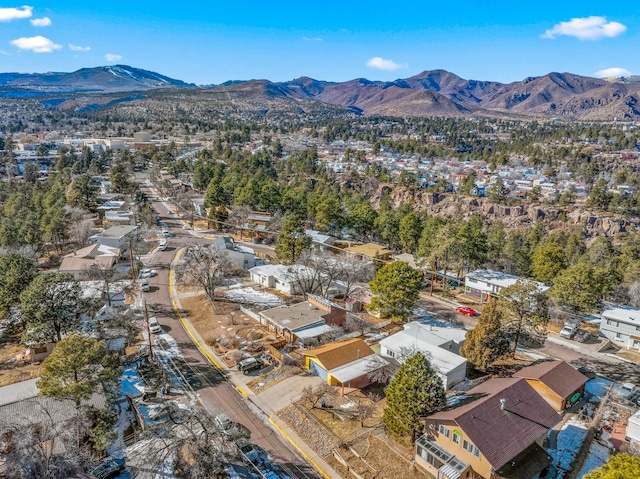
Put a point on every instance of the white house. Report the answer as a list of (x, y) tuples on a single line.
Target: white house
[(621, 325), (115, 237), (486, 283), (439, 341), (633, 429), (240, 256)]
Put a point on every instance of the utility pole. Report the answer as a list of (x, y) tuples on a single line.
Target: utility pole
[(146, 318)]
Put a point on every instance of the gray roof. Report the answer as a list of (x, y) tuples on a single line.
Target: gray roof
[(296, 316)]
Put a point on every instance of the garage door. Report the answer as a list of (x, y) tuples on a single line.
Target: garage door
[(318, 370)]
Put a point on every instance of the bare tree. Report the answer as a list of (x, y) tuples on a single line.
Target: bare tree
[(318, 395), (81, 231), (364, 410), (382, 370), (44, 444), (206, 267)]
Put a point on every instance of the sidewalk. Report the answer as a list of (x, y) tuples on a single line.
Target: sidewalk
[(265, 402)]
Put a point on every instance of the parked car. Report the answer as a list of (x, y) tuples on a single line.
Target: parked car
[(109, 468), (626, 390), (466, 310), (250, 364), (582, 336), (154, 325), (162, 244), (569, 330), (144, 285), (147, 273)]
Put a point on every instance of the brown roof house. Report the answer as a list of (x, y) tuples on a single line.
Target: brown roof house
[(347, 363), (368, 252), (496, 434), (303, 321), (79, 262), (556, 381)]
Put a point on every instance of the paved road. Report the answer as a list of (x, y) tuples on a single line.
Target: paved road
[(215, 393)]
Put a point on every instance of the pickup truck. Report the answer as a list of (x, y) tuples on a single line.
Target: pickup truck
[(250, 364), (569, 330)]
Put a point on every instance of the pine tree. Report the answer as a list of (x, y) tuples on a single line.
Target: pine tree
[(396, 287), (415, 391), (620, 466), (291, 240), (487, 341)]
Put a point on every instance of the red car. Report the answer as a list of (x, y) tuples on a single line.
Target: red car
[(466, 310)]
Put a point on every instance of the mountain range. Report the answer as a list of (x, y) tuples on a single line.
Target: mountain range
[(430, 93)]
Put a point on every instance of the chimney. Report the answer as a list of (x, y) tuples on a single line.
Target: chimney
[(502, 403)]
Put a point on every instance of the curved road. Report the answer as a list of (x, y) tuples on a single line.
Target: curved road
[(215, 393)]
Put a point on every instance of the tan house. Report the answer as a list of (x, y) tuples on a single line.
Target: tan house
[(302, 321), (556, 381), (368, 252), (347, 363), (79, 262), (496, 434)]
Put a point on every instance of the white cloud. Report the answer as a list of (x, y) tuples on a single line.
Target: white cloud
[(41, 22), (8, 14), (112, 57), (312, 39), (78, 48), (2, 52), (587, 28), (380, 63), (37, 44), (612, 72)]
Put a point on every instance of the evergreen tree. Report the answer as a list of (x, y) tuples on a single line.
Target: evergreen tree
[(487, 341), (16, 272), (291, 240), (415, 391), (75, 369), (396, 287)]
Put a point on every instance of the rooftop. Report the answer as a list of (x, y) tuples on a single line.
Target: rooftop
[(296, 316), (368, 249), (558, 376), (340, 353), (117, 231), (625, 314), (506, 418), (499, 278)]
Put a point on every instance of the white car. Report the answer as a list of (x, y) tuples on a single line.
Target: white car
[(162, 244), (144, 285), (154, 325), (147, 273)]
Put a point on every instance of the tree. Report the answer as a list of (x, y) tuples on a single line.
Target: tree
[(498, 191), (619, 466), (415, 391), (409, 231), (75, 369), (526, 310), (487, 341), (599, 196), (547, 261), (396, 287), (291, 240), (206, 267), (50, 306), (580, 287), (16, 272)]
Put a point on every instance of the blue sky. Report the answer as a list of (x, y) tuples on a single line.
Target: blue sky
[(212, 41)]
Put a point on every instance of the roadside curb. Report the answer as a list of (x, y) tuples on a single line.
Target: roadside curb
[(286, 436)]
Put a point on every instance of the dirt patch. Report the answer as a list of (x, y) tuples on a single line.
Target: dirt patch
[(227, 329), (273, 377), (13, 371), (630, 355)]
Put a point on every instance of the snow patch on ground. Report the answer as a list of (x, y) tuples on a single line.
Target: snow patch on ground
[(125, 419), (254, 297), (130, 382), (597, 388), (569, 442), (167, 346), (598, 455)]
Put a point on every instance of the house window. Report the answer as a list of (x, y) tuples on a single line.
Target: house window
[(444, 431), (456, 437), (40, 350), (610, 322), (618, 335), (430, 458), (391, 354), (471, 448)]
